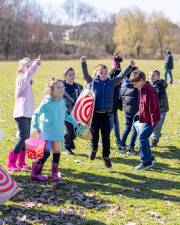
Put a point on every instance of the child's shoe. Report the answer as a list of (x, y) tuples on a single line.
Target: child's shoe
[(131, 151), (11, 164), (107, 162), (69, 151), (36, 173), (122, 149), (21, 161), (92, 155), (55, 174), (143, 166)]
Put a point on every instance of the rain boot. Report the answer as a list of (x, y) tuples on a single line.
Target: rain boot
[(36, 173), (55, 175), (11, 164), (21, 161)]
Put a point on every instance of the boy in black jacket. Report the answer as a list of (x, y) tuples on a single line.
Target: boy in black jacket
[(71, 92), (160, 85), (129, 96)]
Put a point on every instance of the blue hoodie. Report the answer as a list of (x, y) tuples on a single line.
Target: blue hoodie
[(50, 118)]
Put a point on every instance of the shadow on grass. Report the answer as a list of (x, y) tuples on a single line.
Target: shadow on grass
[(159, 167), (88, 182), (79, 183), (109, 185), (169, 152), (23, 216)]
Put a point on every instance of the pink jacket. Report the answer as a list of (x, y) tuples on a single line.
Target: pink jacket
[(24, 99)]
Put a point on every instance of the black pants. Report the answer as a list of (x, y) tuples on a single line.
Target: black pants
[(69, 136), (24, 126), (101, 122)]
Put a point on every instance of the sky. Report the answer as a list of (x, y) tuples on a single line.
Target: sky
[(171, 8)]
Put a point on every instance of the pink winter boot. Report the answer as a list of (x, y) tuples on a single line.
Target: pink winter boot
[(11, 164), (55, 175), (21, 161), (36, 172)]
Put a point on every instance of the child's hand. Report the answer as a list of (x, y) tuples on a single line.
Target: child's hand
[(38, 60), (132, 62), (83, 59)]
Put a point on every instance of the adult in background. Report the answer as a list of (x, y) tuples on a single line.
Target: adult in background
[(168, 66)]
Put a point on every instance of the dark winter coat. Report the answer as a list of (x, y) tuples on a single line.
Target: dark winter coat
[(117, 101), (129, 96), (71, 93), (169, 62), (160, 86)]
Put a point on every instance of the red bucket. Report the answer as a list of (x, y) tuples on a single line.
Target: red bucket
[(35, 148)]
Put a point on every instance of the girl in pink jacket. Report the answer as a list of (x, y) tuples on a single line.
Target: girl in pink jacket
[(23, 110)]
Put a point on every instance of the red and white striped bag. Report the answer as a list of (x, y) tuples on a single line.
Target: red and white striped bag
[(8, 186), (83, 112), (84, 107)]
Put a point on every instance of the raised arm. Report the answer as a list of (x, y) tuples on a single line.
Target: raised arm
[(84, 68), (123, 73), (24, 79)]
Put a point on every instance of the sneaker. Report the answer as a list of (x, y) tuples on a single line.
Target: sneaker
[(122, 149), (141, 166), (107, 162), (153, 160), (131, 151), (92, 155), (69, 151)]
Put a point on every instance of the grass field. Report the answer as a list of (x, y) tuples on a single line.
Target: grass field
[(92, 194)]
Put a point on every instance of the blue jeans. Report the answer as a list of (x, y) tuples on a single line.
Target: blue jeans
[(157, 130), (168, 71), (115, 125), (144, 132), (24, 127), (129, 128)]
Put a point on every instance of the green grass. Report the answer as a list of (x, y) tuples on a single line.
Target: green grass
[(92, 194)]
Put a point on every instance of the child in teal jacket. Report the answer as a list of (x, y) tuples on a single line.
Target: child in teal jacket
[(49, 121)]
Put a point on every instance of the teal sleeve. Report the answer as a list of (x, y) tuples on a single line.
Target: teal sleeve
[(70, 119), (36, 115)]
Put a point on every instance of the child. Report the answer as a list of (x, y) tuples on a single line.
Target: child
[(129, 96), (117, 103), (49, 122), (160, 85), (71, 92), (116, 60), (23, 110), (103, 87), (149, 115)]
